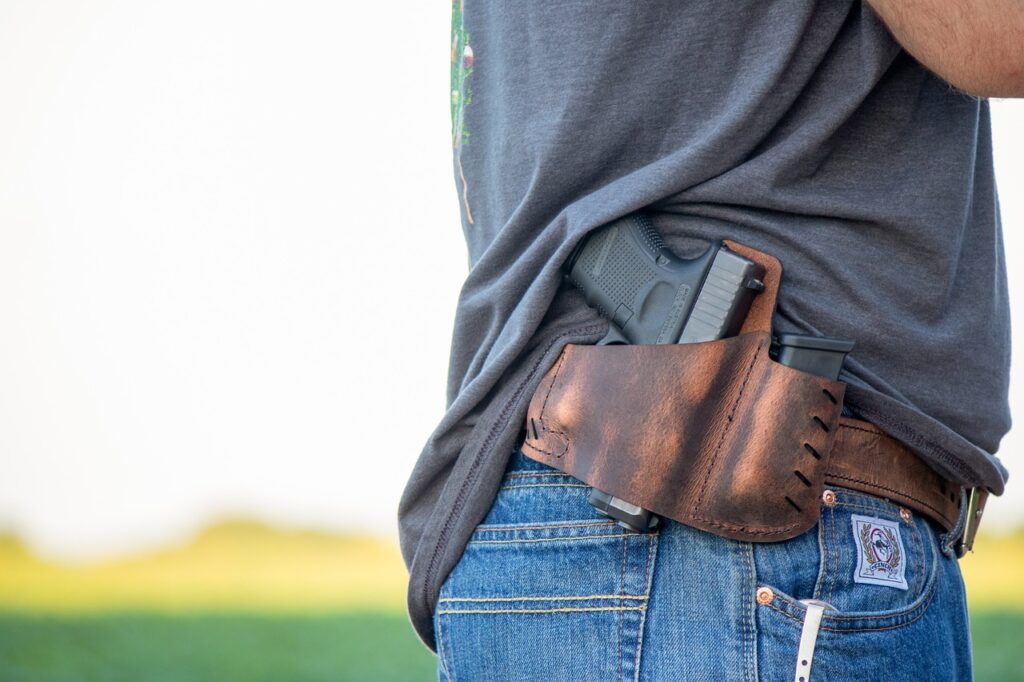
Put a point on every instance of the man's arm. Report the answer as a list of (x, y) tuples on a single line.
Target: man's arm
[(975, 45)]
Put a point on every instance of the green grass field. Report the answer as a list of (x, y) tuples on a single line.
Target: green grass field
[(246, 602), (133, 647), (137, 647)]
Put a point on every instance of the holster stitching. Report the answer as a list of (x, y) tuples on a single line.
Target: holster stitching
[(714, 459), (551, 386), (540, 417), (862, 430)]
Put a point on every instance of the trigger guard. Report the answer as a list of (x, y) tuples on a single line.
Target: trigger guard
[(613, 338)]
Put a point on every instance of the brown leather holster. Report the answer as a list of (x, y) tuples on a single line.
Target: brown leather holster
[(714, 435)]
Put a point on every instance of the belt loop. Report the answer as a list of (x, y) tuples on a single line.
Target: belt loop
[(949, 539), (974, 508)]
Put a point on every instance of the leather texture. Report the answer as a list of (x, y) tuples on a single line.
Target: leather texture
[(864, 458), (717, 435), (714, 435)]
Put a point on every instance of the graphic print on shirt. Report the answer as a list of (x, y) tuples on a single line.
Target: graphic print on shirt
[(462, 67), (881, 559)]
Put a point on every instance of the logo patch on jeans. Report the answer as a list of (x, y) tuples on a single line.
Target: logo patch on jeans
[(881, 559)]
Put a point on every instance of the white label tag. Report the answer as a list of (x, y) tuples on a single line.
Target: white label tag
[(881, 559)]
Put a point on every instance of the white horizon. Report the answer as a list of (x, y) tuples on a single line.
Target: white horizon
[(198, 222)]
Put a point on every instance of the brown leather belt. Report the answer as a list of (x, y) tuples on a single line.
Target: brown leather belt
[(866, 459)]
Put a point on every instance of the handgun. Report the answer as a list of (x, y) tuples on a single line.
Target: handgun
[(651, 296)]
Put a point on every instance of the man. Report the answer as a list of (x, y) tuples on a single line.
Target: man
[(849, 140)]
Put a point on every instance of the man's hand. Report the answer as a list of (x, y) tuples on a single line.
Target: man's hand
[(975, 45)]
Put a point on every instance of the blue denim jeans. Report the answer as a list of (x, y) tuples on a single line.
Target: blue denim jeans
[(547, 589)]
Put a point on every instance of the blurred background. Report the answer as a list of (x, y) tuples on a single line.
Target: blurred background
[(230, 253)]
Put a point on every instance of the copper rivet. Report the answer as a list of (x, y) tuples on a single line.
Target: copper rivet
[(765, 595), (829, 498), (905, 514)]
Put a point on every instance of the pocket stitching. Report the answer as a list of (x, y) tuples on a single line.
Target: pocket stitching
[(923, 608), (876, 510), (618, 597), (539, 532), (568, 609), (495, 528), (848, 622), (568, 538), (442, 652), (567, 484), (652, 553), (620, 623), (824, 550)]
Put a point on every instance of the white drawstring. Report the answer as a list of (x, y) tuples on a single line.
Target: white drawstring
[(808, 638)]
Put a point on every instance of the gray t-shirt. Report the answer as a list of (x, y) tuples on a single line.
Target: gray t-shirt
[(799, 128)]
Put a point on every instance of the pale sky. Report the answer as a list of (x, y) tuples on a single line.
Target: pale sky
[(229, 257)]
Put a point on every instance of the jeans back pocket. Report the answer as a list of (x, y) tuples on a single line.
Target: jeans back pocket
[(545, 586)]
